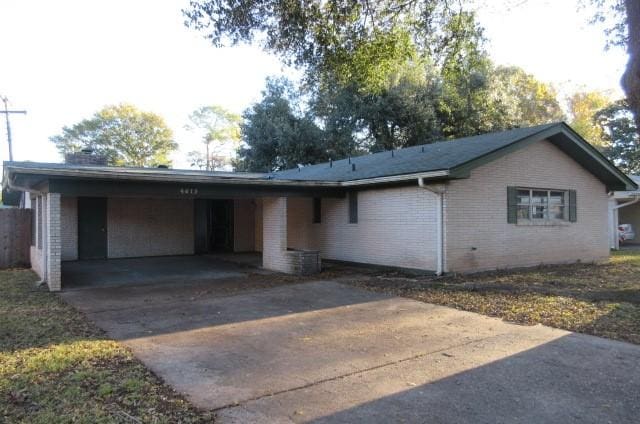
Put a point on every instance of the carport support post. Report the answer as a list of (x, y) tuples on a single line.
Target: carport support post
[(274, 234), (53, 244)]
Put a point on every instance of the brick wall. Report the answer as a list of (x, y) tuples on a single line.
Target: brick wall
[(396, 227), (69, 229), (476, 214), (149, 227), (274, 235), (53, 242)]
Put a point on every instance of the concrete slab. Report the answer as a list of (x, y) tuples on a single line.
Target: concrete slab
[(326, 352), (152, 270)]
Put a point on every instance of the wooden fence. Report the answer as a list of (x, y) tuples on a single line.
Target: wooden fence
[(15, 237)]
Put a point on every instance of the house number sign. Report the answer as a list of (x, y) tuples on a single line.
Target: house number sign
[(188, 191)]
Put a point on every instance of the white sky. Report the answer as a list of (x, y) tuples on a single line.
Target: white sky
[(63, 60)]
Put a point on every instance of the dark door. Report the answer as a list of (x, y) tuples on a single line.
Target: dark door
[(221, 225), (92, 228)]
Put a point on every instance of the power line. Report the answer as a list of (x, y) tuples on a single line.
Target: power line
[(6, 112)]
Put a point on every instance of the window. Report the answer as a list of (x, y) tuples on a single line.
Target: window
[(317, 210), (353, 207), (541, 205)]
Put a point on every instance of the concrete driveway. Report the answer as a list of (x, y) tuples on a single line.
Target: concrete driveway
[(327, 352)]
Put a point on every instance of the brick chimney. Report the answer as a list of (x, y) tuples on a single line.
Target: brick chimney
[(85, 157)]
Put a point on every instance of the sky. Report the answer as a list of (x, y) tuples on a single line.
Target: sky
[(63, 60)]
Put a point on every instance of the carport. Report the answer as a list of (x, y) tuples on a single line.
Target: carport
[(158, 270), (112, 217)]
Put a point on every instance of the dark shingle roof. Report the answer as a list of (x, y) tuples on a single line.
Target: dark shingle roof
[(441, 155)]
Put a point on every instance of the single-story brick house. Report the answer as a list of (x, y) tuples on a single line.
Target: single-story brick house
[(624, 208), (516, 198)]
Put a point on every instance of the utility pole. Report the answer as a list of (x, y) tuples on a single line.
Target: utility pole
[(6, 112)]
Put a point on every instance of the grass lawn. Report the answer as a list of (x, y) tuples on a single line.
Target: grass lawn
[(56, 367), (603, 300)]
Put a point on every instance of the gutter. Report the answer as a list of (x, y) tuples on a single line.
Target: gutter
[(135, 175), (439, 192), (636, 200)]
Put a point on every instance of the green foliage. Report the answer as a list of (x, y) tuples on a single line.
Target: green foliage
[(464, 74), (126, 135), (520, 100), (275, 136), (220, 131), (402, 114), (583, 107), (353, 40), (619, 129), (379, 75)]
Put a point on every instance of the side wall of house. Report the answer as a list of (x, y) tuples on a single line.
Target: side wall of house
[(631, 215), (478, 236), (69, 230), (396, 227), (149, 227)]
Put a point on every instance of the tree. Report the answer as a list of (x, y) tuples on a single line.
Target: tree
[(465, 75), (126, 135), (618, 126), (621, 19), (220, 132), (275, 135), (520, 100), (402, 114), (354, 41), (583, 107)]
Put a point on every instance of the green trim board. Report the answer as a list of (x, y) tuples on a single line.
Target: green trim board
[(71, 187)]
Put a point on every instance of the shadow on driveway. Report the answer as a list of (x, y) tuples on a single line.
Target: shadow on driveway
[(334, 353)]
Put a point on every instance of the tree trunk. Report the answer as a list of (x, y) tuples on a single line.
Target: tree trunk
[(631, 78)]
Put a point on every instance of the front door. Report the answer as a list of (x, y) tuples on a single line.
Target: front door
[(221, 225), (92, 228)]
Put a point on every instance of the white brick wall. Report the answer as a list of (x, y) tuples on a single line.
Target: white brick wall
[(69, 229), (396, 227), (476, 214), (274, 235), (149, 227), (53, 242), (37, 253)]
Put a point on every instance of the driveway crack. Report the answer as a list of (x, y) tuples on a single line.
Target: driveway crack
[(350, 374)]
